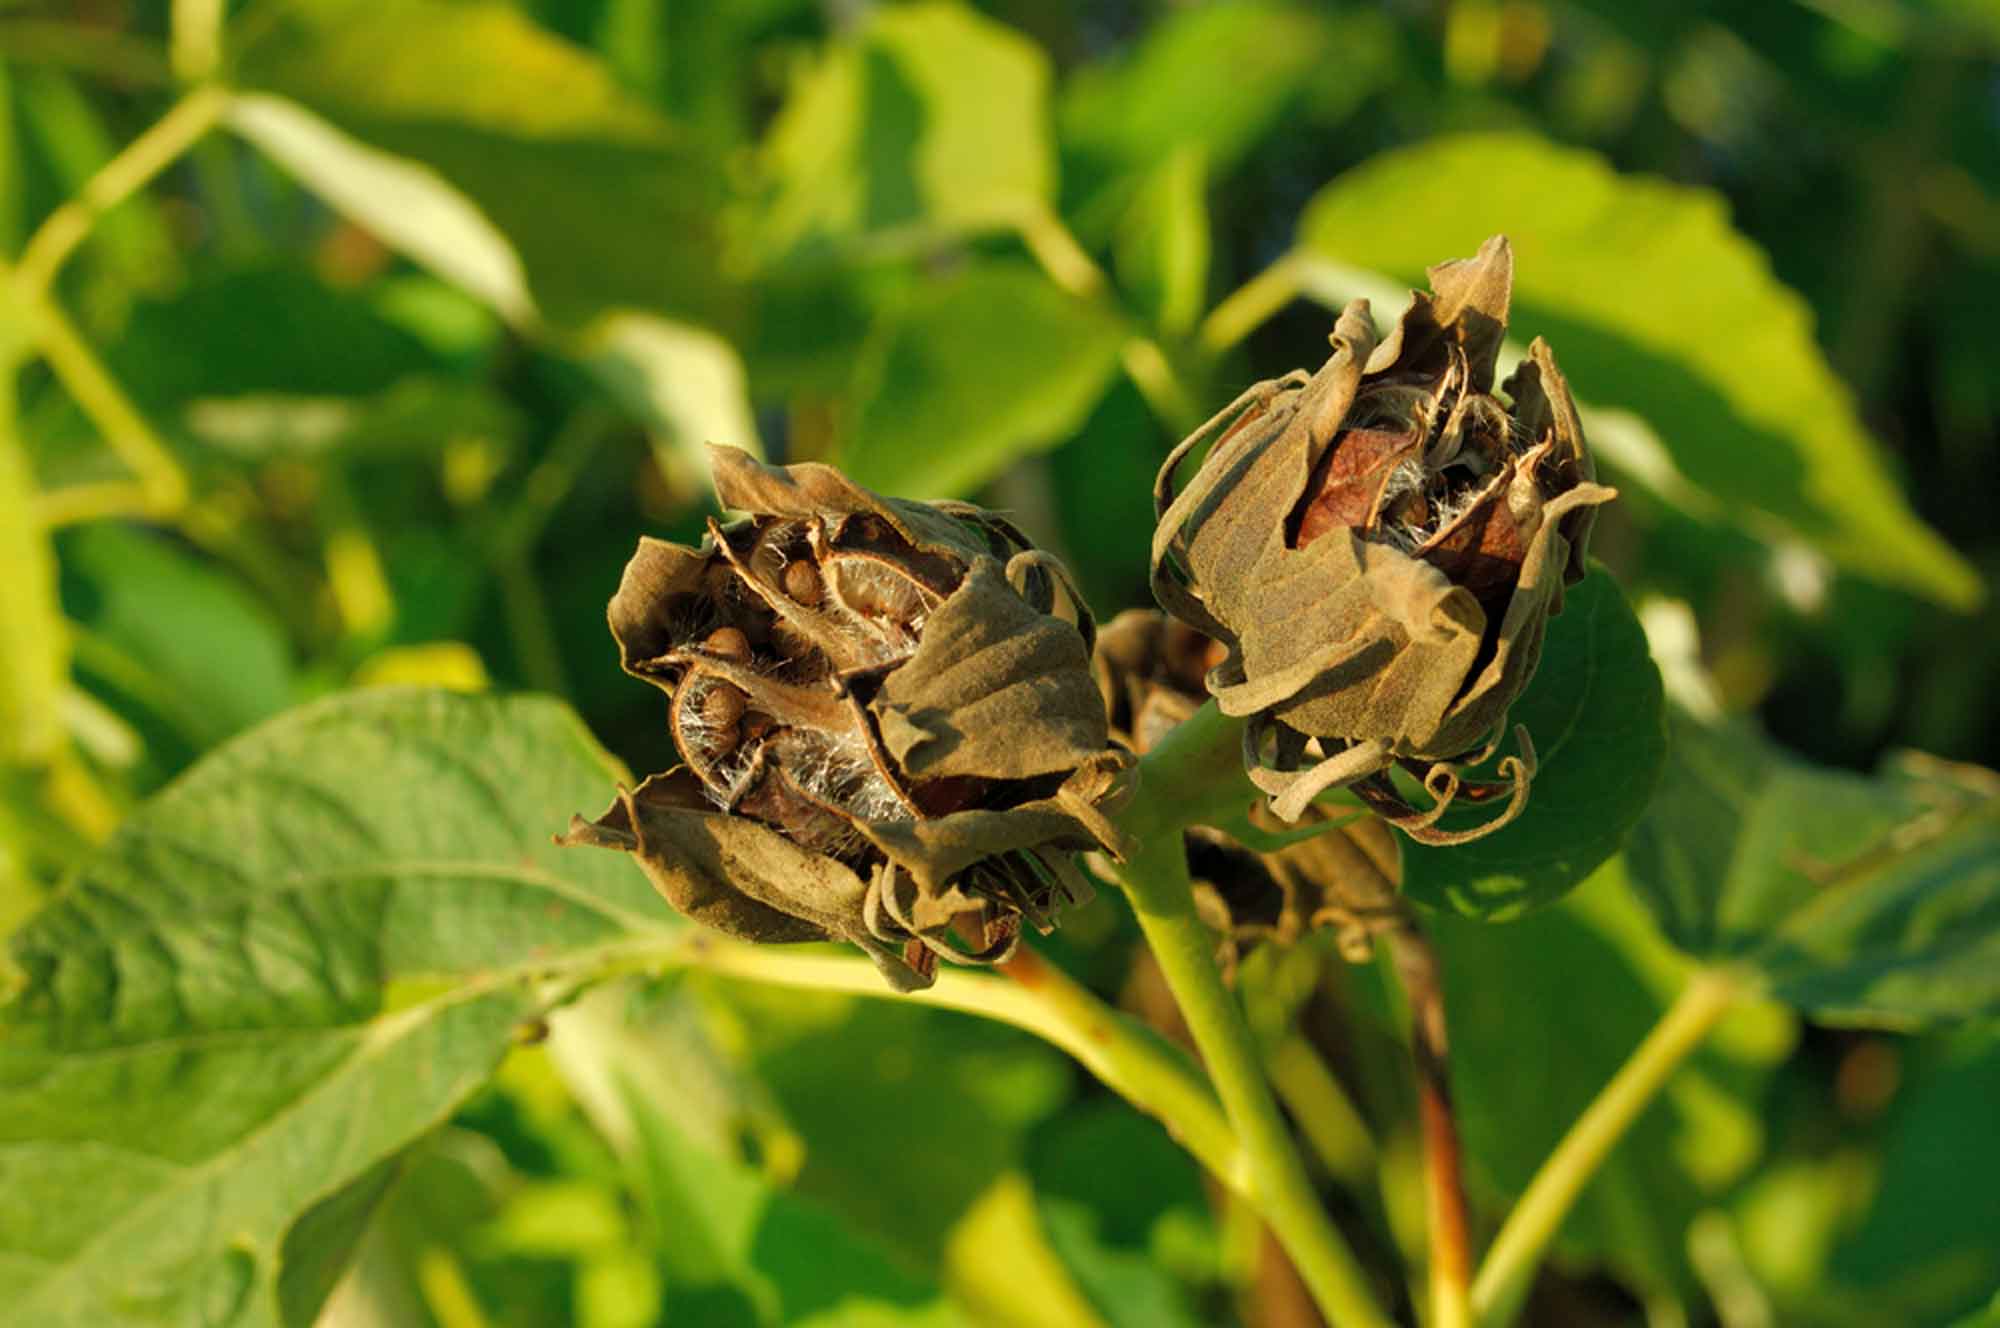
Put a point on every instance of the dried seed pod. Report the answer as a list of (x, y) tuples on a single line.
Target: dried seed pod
[(887, 718), (1379, 546)]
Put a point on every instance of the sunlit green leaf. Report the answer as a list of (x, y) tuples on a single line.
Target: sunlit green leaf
[(930, 116), (604, 202), (199, 1025), (1654, 304), (1593, 711), (1871, 901), (972, 372)]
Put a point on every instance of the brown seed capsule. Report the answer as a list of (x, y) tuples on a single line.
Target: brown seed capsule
[(802, 584), (902, 691), (1379, 546)]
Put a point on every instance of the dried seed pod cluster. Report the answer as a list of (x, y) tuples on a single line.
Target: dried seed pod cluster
[(1379, 546), (886, 718)]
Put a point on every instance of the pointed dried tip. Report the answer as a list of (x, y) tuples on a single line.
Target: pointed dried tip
[(1482, 285)]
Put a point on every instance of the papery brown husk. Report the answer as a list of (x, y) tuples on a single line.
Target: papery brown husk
[(928, 749), (1372, 653)]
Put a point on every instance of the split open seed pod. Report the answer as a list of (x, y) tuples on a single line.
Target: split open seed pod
[(888, 728), (1379, 546)]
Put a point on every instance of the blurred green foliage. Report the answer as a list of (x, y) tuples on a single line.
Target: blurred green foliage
[(378, 361)]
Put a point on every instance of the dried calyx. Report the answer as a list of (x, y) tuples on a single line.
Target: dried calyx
[(886, 719), (1378, 547)]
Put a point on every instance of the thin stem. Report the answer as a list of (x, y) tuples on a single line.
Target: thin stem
[(1125, 1056), (1068, 264), (1247, 307), (1153, 374), (118, 179), (1416, 966), (196, 47), (100, 397), (1510, 1263), (1326, 1115), (73, 504), (1156, 879)]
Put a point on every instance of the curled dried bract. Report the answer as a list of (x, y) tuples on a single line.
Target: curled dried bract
[(886, 718), (1378, 547)]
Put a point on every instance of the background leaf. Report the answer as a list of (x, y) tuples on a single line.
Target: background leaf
[(930, 116), (1593, 710), (1653, 304), (575, 174), (201, 1049), (1869, 901), (971, 373), (1543, 1012)]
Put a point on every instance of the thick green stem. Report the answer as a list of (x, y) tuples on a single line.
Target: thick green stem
[(1510, 1264), (1156, 879), (1193, 776), (1125, 1056)]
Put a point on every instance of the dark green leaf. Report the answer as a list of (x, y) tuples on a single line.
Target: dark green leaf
[(971, 373), (1593, 711), (1655, 304), (1870, 901), (604, 202), (200, 1047)]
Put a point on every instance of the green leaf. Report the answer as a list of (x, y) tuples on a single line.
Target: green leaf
[(931, 116), (870, 1085), (1656, 305), (786, 1261), (1926, 1245), (200, 1049), (1124, 1208), (1543, 1013), (972, 372), (174, 634), (1593, 711), (521, 143), (1161, 250), (34, 664), (1865, 901), (1212, 80)]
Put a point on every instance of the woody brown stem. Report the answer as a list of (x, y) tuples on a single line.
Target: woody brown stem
[(1444, 1188)]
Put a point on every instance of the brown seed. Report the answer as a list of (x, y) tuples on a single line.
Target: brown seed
[(729, 643), (802, 583), (721, 706)]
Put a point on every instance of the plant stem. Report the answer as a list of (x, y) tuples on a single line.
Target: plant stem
[(142, 159), (1156, 879), (1416, 964), (1128, 1058), (98, 395), (1066, 261), (1249, 305), (1510, 1264), (1193, 776)]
